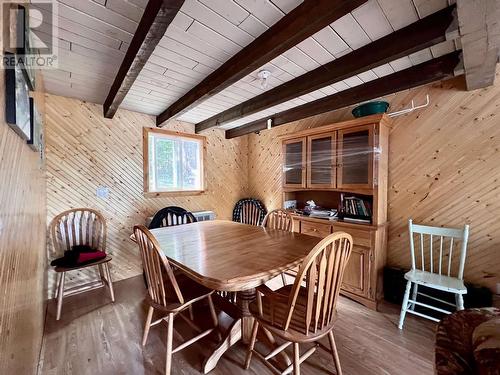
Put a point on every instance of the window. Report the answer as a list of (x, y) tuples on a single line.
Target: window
[(173, 162)]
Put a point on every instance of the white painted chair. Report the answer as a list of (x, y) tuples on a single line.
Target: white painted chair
[(438, 261)]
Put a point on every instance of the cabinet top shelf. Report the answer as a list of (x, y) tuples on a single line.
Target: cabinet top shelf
[(369, 191), (339, 223), (381, 119)]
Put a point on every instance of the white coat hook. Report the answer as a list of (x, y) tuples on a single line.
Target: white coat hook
[(412, 108), (269, 123)]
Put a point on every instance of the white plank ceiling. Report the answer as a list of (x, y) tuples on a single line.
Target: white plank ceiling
[(94, 36)]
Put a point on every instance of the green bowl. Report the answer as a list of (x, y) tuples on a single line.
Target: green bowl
[(370, 108)]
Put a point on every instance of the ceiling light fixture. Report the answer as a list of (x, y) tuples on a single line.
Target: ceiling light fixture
[(264, 76)]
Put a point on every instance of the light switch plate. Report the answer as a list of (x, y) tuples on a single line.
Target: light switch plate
[(102, 192)]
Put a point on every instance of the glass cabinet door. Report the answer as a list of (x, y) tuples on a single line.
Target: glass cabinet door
[(321, 166), (294, 164), (355, 157)]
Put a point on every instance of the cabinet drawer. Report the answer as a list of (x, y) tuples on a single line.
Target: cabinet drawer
[(360, 237), (315, 229)]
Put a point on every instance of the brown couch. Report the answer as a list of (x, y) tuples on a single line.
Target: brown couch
[(468, 342)]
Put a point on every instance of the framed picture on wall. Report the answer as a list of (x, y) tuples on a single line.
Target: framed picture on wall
[(24, 33), (20, 38), (36, 126), (17, 105)]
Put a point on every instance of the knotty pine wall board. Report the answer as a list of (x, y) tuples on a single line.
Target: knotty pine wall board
[(444, 168), (443, 164), (22, 246), (85, 151)]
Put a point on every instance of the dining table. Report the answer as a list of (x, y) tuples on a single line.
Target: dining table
[(231, 257)]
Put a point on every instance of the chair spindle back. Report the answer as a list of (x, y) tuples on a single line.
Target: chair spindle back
[(250, 214), (159, 274), (278, 219), (249, 211), (323, 270), (171, 216), (437, 247), (79, 226)]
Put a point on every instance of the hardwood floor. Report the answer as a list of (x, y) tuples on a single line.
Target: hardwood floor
[(95, 336)]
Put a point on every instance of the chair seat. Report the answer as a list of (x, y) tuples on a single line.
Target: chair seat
[(191, 291), (436, 281), (90, 264), (274, 310)]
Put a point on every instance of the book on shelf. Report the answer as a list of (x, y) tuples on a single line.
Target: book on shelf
[(355, 209)]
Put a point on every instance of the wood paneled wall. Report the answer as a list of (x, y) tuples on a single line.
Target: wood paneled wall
[(85, 151), (22, 248), (444, 168)]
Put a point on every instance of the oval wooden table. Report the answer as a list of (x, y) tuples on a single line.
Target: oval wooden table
[(232, 257)]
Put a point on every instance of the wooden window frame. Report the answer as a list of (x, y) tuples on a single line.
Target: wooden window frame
[(145, 156)]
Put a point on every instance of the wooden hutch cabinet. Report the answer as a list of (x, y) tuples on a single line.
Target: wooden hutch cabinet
[(329, 163)]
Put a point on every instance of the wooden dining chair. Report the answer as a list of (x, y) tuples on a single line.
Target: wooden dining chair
[(170, 216), (249, 211), (432, 266), (278, 219), (281, 220), (79, 227), (169, 293), (304, 314)]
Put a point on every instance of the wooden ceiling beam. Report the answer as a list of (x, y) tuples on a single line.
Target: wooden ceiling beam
[(479, 29), (417, 36), (430, 71), (302, 22), (157, 15)]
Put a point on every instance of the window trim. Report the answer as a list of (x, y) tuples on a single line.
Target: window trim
[(145, 157)]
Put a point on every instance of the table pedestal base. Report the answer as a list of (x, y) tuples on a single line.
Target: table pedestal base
[(233, 335), (240, 329), (243, 301)]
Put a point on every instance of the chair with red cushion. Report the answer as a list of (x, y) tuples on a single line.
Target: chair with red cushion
[(72, 231)]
